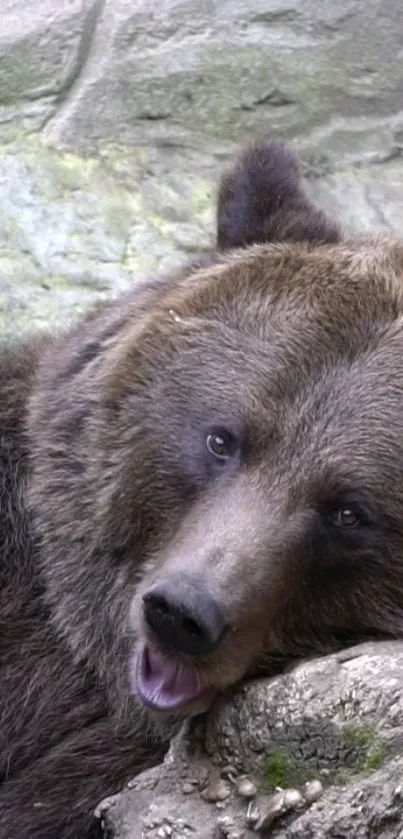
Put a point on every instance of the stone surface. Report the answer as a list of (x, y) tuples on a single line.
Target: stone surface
[(337, 719), (42, 51), (205, 73), (74, 229)]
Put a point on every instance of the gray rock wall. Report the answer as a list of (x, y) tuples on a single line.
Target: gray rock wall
[(205, 73)]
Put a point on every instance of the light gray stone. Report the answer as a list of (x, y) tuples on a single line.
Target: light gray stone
[(43, 47), (337, 719), (205, 73)]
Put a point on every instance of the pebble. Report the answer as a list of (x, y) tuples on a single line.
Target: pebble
[(227, 829), (293, 800), (225, 826), (246, 788), (273, 807), (229, 772), (164, 832), (270, 809), (312, 791), (203, 776), (252, 814), (217, 790), (187, 788)]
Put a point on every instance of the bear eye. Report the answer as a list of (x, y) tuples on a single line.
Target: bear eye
[(221, 444), (346, 517)]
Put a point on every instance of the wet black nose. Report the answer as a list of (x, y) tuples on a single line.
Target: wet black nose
[(184, 617)]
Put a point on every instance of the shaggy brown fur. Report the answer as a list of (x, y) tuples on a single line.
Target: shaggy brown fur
[(291, 353)]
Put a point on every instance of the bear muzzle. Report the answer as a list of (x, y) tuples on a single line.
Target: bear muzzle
[(183, 622)]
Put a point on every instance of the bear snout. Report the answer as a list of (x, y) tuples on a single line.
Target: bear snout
[(183, 617)]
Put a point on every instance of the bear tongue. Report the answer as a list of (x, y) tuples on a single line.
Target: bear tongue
[(163, 683)]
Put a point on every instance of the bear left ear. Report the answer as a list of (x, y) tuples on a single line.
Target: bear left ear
[(261, 199)]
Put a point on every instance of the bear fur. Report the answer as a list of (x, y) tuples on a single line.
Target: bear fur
[(290, 339)]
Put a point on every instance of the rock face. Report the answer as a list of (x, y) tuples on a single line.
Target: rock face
[(74, 229), (205, 73), (328, 735)]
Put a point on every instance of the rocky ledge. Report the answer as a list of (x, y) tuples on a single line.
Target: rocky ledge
[(312, 754)]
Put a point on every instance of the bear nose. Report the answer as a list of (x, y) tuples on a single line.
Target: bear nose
[(184, 618)]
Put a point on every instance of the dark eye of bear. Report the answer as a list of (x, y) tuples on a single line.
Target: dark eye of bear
[(221, 444), (346, 517)]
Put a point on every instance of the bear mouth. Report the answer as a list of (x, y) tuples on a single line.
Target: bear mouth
[(164, 684)]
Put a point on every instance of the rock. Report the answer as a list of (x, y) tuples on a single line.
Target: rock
[(246, 788), (216, 790), (342, 713), (74, 230), (205, 75), (273, 807), (42, 52), (312, 791)]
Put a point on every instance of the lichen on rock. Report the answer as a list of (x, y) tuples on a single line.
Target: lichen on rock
[(317, 744)]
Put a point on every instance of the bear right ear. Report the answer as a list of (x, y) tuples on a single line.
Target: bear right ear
[(261, 199)]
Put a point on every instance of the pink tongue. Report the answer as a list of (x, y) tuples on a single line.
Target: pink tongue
[(162, 683)]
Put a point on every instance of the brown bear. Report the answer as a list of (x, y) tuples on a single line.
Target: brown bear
[(197, 480)]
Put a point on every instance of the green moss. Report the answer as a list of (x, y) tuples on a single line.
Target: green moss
[(159, 224), (283, 770), (375, 759), (333, 754), (367, 750), (202, 198), (277, 770)]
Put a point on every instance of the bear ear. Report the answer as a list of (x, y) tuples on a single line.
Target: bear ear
[(262, 199)]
